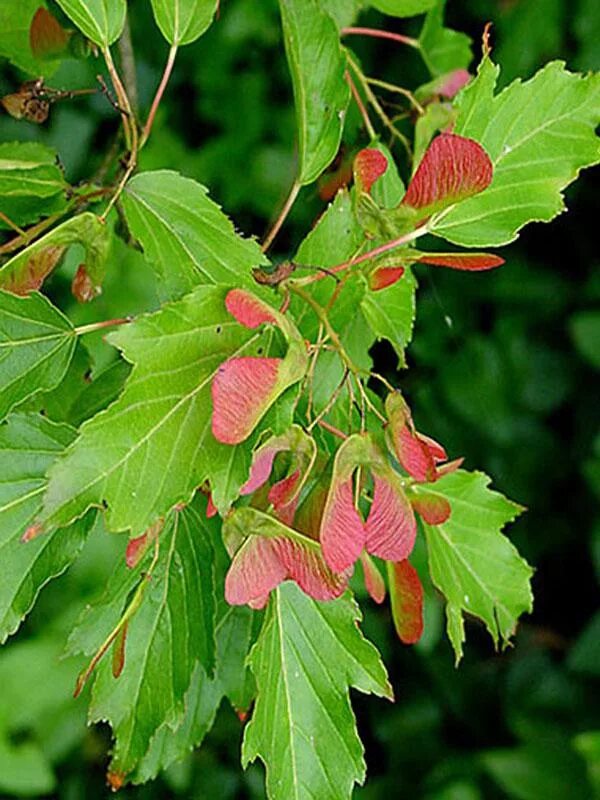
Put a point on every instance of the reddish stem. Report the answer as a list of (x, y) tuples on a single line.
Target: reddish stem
[(335, 431), (287, 207), (159, 93), (361, 106), (377, 251), (377, 34)]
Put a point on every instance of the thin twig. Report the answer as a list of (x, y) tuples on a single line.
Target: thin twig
[(291, 198), (370, 254), (361, 106), (377, 34), (330, 403), (391, 87), (12, 224), (332, 429), (98, 326), (123, 100), (159, 93)]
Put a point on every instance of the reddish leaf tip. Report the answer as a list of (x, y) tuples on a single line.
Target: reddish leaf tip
[(474, 262), (369, 165), (383, 277), (83, 287), (452, 83), (247, 309), (452, 169), (406, 593), (32, 532), (433, 509), (47, 38), (211, 509), (135, 550), (115, 780), (241, 390)]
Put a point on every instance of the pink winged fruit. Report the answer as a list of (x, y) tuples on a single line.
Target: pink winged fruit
[(283, 494), (265, 552), (244, 387), (387, 530)]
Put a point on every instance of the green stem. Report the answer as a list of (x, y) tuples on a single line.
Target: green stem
[(377, 105), (98, 326), (391, 87)]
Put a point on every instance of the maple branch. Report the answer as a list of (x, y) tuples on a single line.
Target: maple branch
[(291, 198), (131, 132), (159, 93)]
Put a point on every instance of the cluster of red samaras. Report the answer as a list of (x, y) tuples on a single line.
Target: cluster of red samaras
[(367, 510), (453, 169), (367, 507)]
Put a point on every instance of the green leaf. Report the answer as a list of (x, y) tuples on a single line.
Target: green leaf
[(36, 346), (443, 49), (344, 12), (57, 403), (100, 20), (539, 135), (170, 634), (183, 21), (236, 630), (15, 22), (321, 94), (185, 235), (476, 568), (31, 183), (100, 393), (306, 659), (28, 269), (402, 8), (390, 313), (28, 446), (205, 694), (154, 445)]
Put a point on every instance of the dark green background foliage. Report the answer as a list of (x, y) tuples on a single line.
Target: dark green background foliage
[(503, 370)]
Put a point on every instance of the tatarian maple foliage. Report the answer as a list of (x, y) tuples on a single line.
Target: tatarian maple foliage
[(245, 412)]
